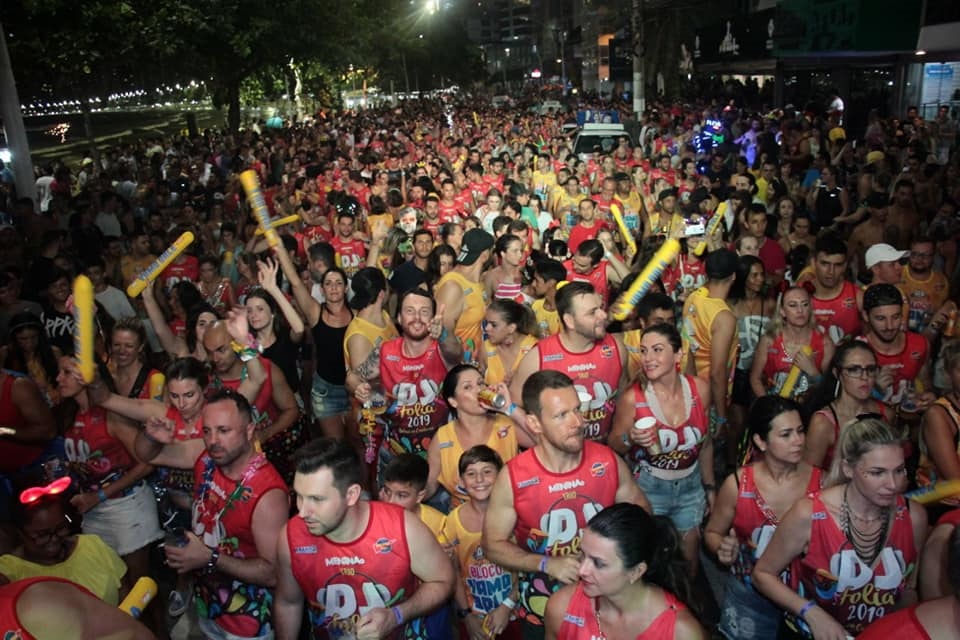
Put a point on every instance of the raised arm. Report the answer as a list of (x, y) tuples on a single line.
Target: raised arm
[(176, 347), (306, 302), (38, 424), (267, 276)]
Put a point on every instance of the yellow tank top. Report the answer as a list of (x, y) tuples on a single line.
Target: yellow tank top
[(376, 335), (435, 521), (468, 328), (631, 340), (547, 321), (496, 371), (503, 440), (934, 289), (699, 312), (486, 584), (927, 471)]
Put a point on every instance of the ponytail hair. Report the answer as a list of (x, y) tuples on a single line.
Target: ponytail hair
[(653, 540), (855, 441)]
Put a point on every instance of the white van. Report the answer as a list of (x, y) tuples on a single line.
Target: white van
[(592, 136)]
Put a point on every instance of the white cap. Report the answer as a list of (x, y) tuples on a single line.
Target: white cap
[(883, 253)]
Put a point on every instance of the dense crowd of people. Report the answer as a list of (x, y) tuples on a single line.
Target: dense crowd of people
[(429, 411)]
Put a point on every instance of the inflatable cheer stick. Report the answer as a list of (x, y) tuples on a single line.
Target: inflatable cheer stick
[(255, 197), (156, 384), (83, 327), (280, 222), (935, 492), (139, 597), (660, 260), (786, 390), (624, 232), (150, 274), (712, 227)]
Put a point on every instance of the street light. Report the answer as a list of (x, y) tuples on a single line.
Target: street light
[(506, 50)]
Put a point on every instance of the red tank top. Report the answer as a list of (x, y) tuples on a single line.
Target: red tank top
[(686, 275), (597, 277), (188, 270), (264, 410), (351, 255), (832, 574), (180, 431), (223, 518), (777, 366), (344, 581), (414, 386), (13, 455), (552, 510), (580, 619), (829, 413), (754, 521), (906, 365), (10, 626), (88, 442), (838, 316), (679, 446), (595, 374)]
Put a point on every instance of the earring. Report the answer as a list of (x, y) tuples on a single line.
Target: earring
[(836, 389)]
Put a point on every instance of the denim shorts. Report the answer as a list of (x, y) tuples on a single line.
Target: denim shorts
[(746, 614), (683, 501), (328, 400)]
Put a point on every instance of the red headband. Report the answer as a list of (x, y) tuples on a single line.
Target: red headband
[(58, 486)]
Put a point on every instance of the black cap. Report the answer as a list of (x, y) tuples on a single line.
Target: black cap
[(698, 195), (721, 264), (621, 176), (23, 320), (475, 242), (666, 193)]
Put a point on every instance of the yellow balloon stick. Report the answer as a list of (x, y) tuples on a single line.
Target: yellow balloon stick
[(150, 274), (280, 222), (139, 597), (712, 227), (786, 390), (156, 384), (624, 232), (660, 261), (83, 327), (251, 185), (936, 492)]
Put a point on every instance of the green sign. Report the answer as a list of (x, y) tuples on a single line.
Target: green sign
[(827, 26)]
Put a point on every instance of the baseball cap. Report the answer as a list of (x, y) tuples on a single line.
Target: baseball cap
[(874, 156), (883, 253), (698, 195), (837, 133), (666, 193), (721, 263), (475, 242)]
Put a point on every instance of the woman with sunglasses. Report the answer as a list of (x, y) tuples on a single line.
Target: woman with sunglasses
[(49, 545), (749, 507), (844, 393), (784, 346), (852, 547)]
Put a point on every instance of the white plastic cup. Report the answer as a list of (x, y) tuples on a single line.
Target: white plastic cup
[(650, 423)]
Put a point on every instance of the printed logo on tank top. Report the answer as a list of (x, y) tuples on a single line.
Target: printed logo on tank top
[(865, 594), (487, 582)]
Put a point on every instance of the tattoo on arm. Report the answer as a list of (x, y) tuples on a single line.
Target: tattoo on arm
[(369, 368)]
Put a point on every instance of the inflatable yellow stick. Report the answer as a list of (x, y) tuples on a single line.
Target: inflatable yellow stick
[(255, 197), (150, 274), (280, 222), (83, 327), (624, 232), (936, 492), (139, 597), (707, 233), (786, 390), (660, 260)]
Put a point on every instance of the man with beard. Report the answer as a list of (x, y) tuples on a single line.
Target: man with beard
[(364, 567), (836, 300), (924, 287), (666, 221), (592, 263), (583, 350), (239, 504), (903, 213), (412, 369), (901, 355), (544, 497), (461, 295)]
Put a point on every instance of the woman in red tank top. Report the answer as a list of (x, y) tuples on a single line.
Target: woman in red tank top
[(633, 583), (749, 507), (131, 374), (783, 347), (855, 544), (843, 394)]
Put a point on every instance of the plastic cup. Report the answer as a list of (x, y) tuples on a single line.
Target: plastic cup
[(650, 423)]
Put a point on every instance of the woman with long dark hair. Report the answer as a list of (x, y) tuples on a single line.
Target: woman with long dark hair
[(183, 335), (632, 582), (511, 330), (749, 507), (31, 354), (279, 342)]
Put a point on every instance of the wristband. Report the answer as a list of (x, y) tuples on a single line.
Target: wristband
[(710, 487), (876, 394), (398, 615), (543, 564), (511, 409), (802, 614), (508, 602), (101, 495), (720, 420), (214, 558)]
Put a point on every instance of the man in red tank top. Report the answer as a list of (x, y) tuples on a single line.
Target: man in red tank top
[(836, 300), (545, 496), (901, 355), (584, 351), (353, 560), (240, 502), (591, 264)]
